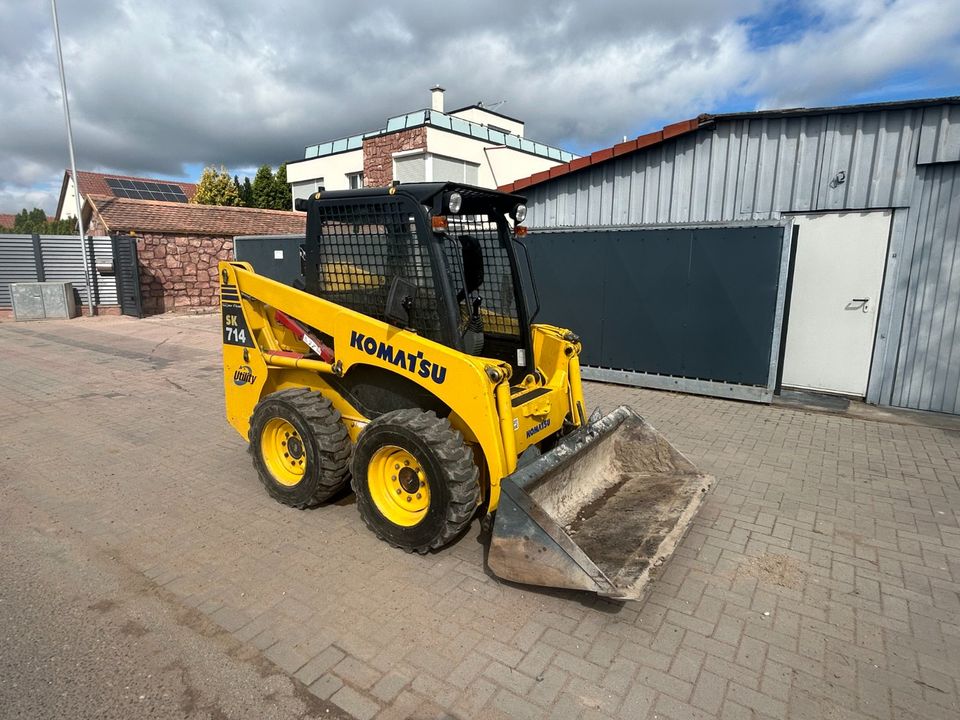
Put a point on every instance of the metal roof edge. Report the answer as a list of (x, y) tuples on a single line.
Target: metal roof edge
[(599, 156), (842, 109), (707, 120)]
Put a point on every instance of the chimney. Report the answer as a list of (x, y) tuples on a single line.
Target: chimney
[(436, 98)]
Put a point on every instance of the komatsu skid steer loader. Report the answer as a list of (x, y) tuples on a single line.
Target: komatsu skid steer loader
[(404, 362)]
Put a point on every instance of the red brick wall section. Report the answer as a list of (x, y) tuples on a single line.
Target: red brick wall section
[(378, 154), (180, 271)]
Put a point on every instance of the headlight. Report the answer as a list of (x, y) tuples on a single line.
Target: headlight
[(520, 213), (454, 202)]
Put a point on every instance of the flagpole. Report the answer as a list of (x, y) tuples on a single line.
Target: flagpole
[(73, 161)]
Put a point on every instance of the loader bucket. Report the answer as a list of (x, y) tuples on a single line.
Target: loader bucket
[(600, 512)]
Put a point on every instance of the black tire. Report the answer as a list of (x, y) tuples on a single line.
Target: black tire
[(452, 475), (325, 446)]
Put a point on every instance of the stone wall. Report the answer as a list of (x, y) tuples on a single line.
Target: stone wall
[(378, 154), (180, 271)]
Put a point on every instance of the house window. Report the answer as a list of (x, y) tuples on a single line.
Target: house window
[(454, 170), (355, 180), (306, 189), (410, 168)]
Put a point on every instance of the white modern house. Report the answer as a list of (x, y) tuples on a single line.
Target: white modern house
[(472, 144)]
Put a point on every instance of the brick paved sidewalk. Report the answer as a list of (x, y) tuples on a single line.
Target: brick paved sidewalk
[(820, 580)]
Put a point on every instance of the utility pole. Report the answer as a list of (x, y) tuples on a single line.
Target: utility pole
[(73, 161)]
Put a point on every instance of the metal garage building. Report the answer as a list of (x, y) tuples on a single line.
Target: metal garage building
[(872, 281)]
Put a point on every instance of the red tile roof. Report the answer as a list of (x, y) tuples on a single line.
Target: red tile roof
[(92, 183), (153, 216), (600, 156)]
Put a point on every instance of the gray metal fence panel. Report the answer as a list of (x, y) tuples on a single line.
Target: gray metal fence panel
[(61, 258), (16, 264), (698, 306), (63, 262)]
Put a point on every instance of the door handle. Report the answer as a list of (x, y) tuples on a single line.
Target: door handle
[(858, 304)]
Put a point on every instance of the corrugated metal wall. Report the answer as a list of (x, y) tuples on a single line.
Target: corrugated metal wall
[(759, 167), (927, 369), (62, 261)]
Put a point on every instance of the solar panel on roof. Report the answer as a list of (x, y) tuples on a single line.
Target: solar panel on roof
[(146, 190)]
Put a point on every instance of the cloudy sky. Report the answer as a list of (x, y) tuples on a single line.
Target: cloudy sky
[(163, 88)]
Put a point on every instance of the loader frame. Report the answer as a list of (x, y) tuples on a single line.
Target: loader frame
[(262, 356), (390, 370)]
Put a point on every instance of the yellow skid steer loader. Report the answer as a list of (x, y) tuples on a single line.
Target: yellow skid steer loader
[(404, 362)]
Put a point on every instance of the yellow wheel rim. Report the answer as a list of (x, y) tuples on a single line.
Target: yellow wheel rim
[(283, 452), (398, 486)]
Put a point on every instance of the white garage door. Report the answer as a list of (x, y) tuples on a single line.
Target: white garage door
[(837, 278)]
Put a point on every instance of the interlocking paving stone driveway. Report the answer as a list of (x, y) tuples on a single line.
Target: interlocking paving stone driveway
[(820, 580)]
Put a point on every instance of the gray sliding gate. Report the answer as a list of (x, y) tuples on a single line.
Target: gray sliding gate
[(691, 308)]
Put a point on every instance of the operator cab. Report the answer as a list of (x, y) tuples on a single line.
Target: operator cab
[(439, 259)]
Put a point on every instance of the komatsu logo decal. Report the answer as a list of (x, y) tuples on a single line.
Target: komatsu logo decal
[(413, 363), (538, 427)]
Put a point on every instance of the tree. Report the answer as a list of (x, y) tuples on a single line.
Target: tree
[(29, 222), (270, 190), (263, 188), (216, 187), (284, 194), (246, 193), (60, 227), (236, 184)]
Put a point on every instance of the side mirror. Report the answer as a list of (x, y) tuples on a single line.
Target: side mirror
[(400, 302)]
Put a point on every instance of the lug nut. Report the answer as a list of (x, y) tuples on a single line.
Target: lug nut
[(398, 491), (397, 466), (419, 496), (393, 477), (406, 462), (409, 499)]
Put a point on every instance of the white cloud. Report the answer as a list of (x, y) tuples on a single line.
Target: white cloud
[(864, 43), (158, 86)]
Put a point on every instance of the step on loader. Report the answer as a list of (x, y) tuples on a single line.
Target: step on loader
[(404, 363)]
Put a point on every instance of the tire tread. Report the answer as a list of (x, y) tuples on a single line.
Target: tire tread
[(332, 440), (457, 459)]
